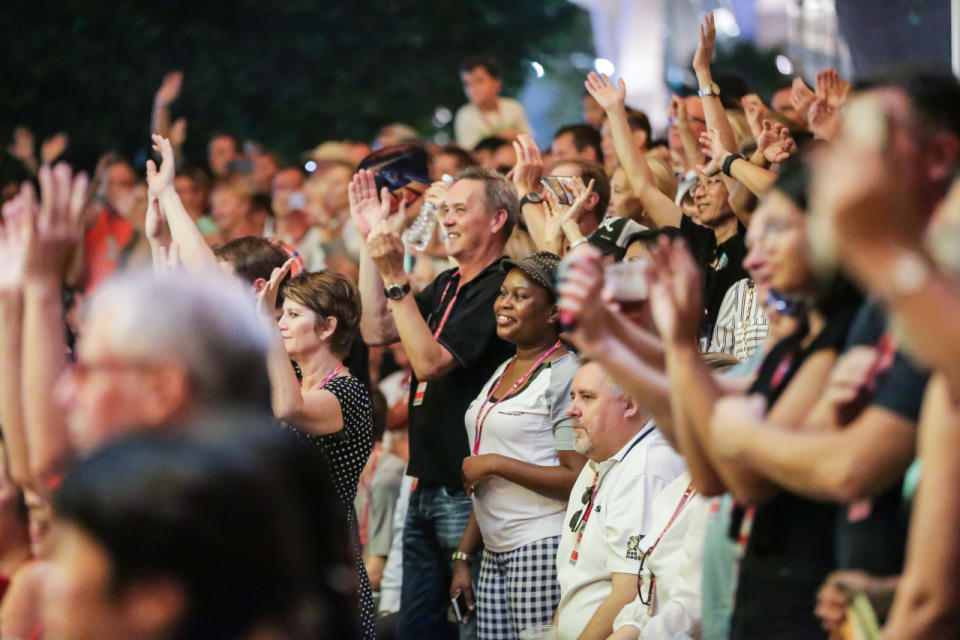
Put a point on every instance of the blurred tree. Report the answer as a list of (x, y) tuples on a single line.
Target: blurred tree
[(289, 74)]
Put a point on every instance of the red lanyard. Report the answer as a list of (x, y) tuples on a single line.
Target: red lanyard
[(482, 417), (330, 377), (449, 307), (683, 501), (575, 554)]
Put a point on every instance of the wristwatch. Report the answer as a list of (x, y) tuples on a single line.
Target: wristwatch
[(712, 90), (397, 291), (531, 198), (460, 555)]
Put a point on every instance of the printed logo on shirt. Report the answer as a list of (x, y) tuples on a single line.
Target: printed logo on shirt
[(633, 547)]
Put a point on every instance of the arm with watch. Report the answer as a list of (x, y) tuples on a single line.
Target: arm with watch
[(428, 357), (709, 92)]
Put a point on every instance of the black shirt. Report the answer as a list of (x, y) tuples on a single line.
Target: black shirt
[(790, 549), (438, 437), (872, 534), (722, 265)]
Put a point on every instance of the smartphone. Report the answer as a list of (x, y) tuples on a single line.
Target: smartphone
[(459, 605), (561, 186)]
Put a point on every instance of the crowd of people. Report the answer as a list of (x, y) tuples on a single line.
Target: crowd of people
[(624, 387)]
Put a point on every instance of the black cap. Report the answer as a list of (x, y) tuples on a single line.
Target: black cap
[(612, 235)]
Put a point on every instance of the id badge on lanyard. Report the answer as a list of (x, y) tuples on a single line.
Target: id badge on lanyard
[(422, 385)]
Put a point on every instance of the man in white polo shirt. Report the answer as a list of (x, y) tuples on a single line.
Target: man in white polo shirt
[(611, 505)]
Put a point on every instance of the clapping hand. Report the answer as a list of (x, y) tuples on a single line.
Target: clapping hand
[(775, 143), (712, 146), (562, 219), (366, 209), (823, 119), (832, 88), (160, 179), (58, 226), (529, 169), (754, 109), (801, 96), (608, 96), (675, 286)]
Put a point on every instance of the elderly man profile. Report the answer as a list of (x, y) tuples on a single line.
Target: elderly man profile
[(611, 504)]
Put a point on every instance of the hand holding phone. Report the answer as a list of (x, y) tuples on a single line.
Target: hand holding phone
[(462, 600)]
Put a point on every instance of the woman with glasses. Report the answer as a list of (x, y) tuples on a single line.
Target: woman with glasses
[(329, 407), (523, 464)]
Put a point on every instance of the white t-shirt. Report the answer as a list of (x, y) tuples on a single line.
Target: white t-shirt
[(472, 125), (529, 426), (622, 517), (676, 563)]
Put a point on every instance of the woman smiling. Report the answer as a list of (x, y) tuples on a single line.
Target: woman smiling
[(523, 464)]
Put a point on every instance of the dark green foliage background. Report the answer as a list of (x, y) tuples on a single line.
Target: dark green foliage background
[(289, 74)]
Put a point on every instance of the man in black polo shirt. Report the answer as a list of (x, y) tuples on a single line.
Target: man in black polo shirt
[(718, 244), (449, 332)]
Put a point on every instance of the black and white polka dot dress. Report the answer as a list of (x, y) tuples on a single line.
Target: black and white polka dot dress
[(346, 453)]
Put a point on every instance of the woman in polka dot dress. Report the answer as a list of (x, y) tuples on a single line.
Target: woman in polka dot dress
[(331, 409)]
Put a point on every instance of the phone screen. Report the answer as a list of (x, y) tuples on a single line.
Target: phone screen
[(561, 186)]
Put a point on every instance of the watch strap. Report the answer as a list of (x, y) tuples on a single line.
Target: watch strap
[(460, 555), (404, 289), (530, 198), (729, 161)]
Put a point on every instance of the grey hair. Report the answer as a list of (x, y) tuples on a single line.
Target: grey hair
[(498, 193), (205, 322), (612, 384)]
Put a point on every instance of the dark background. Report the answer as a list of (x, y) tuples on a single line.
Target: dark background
[(288, 74)]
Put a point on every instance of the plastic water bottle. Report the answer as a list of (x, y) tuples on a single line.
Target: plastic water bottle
[(417, 237)]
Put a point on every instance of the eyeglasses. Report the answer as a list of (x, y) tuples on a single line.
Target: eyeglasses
[(648, 598)]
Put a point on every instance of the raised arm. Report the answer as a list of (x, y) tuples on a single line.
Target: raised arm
[(713, 110), (13, 246), (659, 207), (167, 93), (526, 176), (54, 236), (195, 253), (376, 323), (753, 177), (22, 149), (429, 358), (316, 411)]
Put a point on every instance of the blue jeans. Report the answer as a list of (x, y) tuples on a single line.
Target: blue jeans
[(436, 519)]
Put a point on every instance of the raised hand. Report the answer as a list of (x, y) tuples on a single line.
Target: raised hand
[(366, 208), (708, 36), (712, 147), (162, 178), (823, 119), (607, 95), (529, 169), (52, 147), (267, 298), (675, 286), (580, 290), (169, 88), (775, 143), (387, 251), (58, 227), (754, 109), (18, 214), (800, 97), (832, 88), (178, 132), (22, 146)]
